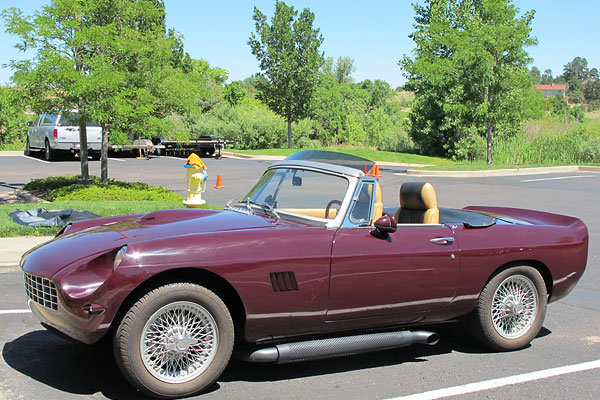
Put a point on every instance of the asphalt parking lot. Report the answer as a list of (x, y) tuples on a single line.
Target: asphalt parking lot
[(35, 363)]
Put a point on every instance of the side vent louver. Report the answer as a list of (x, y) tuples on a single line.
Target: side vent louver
[(284, 281)]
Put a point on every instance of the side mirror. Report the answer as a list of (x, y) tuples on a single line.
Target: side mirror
[(29, 124), (384, 225)]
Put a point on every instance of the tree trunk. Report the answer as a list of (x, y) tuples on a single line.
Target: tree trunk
[(489, 141), (83, 153), (289, 133), (104, 155)]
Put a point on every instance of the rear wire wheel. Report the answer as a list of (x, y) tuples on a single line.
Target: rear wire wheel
[(175, 341), (510, 310)]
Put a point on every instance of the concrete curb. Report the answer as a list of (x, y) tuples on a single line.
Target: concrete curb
[(13, 248), (10, 153), (503, 172), (229, 154), (28, 197)]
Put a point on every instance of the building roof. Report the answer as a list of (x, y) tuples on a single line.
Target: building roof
[(553, 86)]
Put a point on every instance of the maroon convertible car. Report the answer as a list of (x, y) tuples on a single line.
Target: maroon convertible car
[(308, 265)]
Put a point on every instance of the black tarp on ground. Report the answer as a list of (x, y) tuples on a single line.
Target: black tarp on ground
[(43, 217)]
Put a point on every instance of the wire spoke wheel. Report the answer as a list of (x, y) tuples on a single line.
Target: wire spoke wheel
[(514, 306), (179, 342)]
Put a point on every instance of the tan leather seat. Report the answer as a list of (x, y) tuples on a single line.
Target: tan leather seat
[(378, 206), (418, 204)]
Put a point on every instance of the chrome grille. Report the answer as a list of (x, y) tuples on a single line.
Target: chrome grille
[(41, 290)]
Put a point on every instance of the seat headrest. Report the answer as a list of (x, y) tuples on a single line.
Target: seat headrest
[(417, 195)]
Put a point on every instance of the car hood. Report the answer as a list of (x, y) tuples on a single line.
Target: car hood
[(66, 249)]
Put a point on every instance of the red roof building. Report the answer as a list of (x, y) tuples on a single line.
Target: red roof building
[(553, 90)]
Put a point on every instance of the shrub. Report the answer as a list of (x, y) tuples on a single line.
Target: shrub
[(56, 188)]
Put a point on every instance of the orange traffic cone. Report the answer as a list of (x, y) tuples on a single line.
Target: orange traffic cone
[(371, 171), (365, 170), (376, 174), (219, 184)]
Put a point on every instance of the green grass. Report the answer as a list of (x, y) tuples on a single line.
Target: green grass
[(15, 146), (478, 166), (116, 198), (370, 154), (9, 228)]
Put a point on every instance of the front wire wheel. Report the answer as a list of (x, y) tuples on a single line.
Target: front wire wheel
[(175, 341), (179, 342), (510, 309)]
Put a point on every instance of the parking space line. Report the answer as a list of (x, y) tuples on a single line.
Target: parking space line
[(36, 159), (116, 159), (25, 311), (558, 178), (496, 383)]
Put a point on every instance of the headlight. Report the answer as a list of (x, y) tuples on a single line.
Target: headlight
[(119, 257)]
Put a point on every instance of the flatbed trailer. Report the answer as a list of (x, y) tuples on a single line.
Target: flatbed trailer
[(208, 145)]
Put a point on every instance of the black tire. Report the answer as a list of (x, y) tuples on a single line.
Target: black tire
[(504, 321), (27, 148), (141, 365), (49, 153), (96, 155)]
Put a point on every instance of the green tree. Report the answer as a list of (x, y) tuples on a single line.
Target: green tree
[(113, 60), (12, 115), (592, 90), (341, 71), (234, 93), (594, 73), (547, 77), (289, 58), (576, 70), (535, 75), (468, 72)]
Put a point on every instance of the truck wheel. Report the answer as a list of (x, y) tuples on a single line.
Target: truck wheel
[(96, 155), (175, 341), (510, 309), (49, 153)]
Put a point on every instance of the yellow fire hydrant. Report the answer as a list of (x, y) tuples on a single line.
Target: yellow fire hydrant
[(196, 181)]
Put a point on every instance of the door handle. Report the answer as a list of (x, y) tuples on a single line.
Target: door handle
[(443, 241)]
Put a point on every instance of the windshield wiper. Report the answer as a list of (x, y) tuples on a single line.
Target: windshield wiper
[(268, 208), (247, 210)]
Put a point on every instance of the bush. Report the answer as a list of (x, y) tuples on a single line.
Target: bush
[(57, 188), (578, 144)]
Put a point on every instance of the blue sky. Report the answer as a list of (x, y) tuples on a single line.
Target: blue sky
[(374, 33)]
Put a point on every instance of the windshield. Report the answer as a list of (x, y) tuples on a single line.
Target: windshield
[(71, 120), (300, 191)]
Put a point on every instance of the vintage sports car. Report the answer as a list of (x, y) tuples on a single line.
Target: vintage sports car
[(309, 264)]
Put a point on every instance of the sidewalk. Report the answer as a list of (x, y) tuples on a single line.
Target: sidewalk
[(11, 249)]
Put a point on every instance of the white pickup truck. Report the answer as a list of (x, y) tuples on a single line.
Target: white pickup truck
[(60, 133)]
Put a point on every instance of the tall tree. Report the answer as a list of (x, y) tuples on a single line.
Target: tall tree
[(113, 60), (535, 75), (469, 68), (547, 78), (12, 115), (340, 70), (576, 70), (289, 58)]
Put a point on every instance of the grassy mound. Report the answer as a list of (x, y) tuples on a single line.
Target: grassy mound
[(58, 188)]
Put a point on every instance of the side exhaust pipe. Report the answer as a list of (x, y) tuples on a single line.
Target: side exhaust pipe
[(338, 347)]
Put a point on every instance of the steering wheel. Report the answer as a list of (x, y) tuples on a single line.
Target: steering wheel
[(332, 202)]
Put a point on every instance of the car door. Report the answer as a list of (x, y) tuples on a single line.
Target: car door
[(415, 269)]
